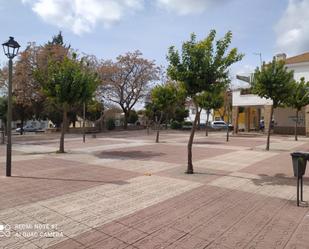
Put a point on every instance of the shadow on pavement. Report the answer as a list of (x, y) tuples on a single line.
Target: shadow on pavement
[(123, 155)]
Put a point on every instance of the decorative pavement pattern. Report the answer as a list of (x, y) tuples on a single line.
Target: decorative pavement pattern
[(122, 190)]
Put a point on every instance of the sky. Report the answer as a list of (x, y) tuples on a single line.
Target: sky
[(108, 28)]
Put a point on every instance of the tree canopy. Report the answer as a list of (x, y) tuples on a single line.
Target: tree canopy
[(200, 65), (298, 98), (273, 81), (127, 80), (68, 83)]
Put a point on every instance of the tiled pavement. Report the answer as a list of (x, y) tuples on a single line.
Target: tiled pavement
[(122, 190)]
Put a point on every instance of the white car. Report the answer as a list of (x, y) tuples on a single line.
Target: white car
[(220, 125), (27, 129)]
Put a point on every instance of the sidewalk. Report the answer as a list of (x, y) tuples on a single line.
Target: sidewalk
[(128, 192)]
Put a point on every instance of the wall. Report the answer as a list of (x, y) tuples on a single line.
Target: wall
[(300, 70), (249, 100), (203, 116), (285, 117)]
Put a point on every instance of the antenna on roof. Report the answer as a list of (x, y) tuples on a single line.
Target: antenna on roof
[(259, 54)]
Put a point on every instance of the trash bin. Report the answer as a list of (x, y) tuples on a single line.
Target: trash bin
[(299, 160)]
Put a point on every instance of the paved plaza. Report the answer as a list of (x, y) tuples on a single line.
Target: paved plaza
[(122, 190)]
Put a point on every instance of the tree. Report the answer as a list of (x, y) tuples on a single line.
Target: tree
[(133, 117), (127, 80), (3, 112), (26, 90), (163, 101), (273, 81), (68, 83), (4, 76), (201, 65), (94, 110), (52, 52), (298, 98), (209, 100), (57, 40)]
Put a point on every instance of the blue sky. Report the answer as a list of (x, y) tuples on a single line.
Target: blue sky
[(107, 28)]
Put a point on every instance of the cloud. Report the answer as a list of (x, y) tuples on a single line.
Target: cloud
[(185, 7), (82, 16), (292, 30)]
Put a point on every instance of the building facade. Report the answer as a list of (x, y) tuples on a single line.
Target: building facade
[(255, 110)]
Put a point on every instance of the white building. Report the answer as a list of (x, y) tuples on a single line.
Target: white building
[(203, 117), (249, 109)]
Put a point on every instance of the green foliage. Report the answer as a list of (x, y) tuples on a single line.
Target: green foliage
[(187, 123), (57, 40), (166, 100), (180, 113), (299, 95), (176, 125), (94, 110), (163, 96), (273, 81), (202, 63), (3, 108), (68, 82), (133, 117), (212, 99), (110, 124)]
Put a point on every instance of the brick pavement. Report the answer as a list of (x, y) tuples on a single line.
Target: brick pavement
[(122, 190)]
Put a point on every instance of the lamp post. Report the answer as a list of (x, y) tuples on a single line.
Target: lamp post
[(10, 49)]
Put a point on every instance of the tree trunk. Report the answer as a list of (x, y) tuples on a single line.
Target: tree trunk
[(227, 127), (63, 128), (198, 121), (158, 134), (190, 143), (84, 121), (147, 123), (101, 122), (296, 125), (206, 124), (125, 121), (269, 127), (22, 126), (158, 128), (2, 135)]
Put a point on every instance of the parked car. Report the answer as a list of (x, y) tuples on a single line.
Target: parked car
[(28, 129), (220, 125)]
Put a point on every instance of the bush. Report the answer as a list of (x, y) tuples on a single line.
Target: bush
[(110, 124), (187, 123), (133, 117), (176, 125)]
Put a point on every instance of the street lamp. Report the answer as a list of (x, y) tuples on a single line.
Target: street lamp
[(10, 49)]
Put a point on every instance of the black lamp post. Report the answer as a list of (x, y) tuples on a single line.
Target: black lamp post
[(10, 49)]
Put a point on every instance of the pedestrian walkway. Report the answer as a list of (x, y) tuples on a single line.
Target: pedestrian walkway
[(126, 191)]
